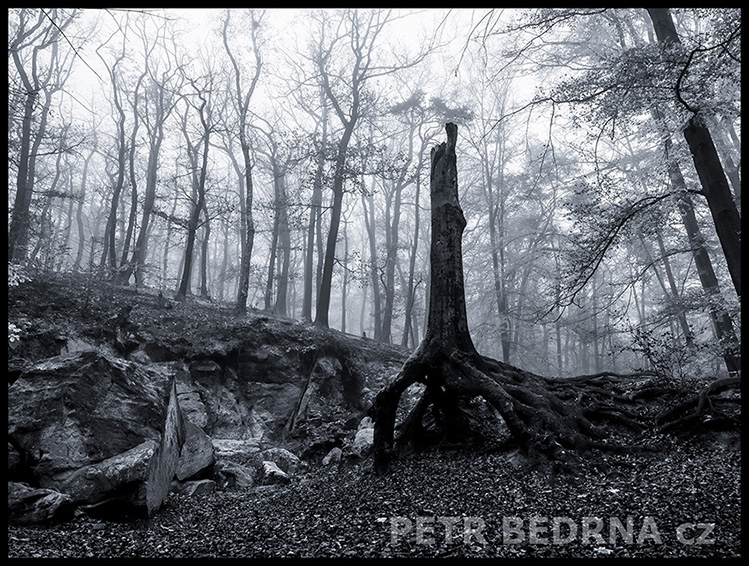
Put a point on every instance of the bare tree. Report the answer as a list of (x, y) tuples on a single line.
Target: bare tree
[(198, 159), (33, 47), (242, 95), (281, 151), (158, 101), (359, 33), (109, 253), (315, 212)]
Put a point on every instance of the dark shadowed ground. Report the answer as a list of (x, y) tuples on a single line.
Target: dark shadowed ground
[(680, 501)]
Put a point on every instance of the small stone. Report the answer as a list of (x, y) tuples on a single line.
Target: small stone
[(332, 457)]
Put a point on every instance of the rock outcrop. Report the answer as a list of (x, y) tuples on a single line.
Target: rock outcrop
[(96, 428), (132, 406)]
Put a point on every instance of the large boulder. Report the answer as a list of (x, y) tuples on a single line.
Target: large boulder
[(93, 484), (28, 505), (98, 427), (197, 453)]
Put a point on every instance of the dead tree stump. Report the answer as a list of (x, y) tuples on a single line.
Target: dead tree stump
[(448, 364)]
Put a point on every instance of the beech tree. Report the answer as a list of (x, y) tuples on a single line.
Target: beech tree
[(197, 153), (242, 95), (359, 34), (33, 46), (715, 187)]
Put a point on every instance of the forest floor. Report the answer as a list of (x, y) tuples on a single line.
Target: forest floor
[(679, 498), (682, 500)]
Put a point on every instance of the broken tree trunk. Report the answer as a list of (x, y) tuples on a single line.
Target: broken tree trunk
[(447, 362)]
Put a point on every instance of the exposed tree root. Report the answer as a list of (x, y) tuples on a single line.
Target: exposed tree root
[(692, 411), (557, 419)]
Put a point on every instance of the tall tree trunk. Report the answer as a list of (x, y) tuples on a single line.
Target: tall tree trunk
[(721, 320), (722, 323), (140, 251), (34, 152), (19, 225), (715, 187), (124, 273), (79, 214), (109, 252), (411, 292), (344, 286), (184, 286), (314, 219), (392, 238), (204, 291), (248, 236), (197, 211), (495, 206), (33, 84), (363, 309), (268, 304), (278, 256), (597, 360), (167, 242), (388, 281), (126, 266), (726, 155), (369, 223), (718, 194), (224, 263), (326, 284), (242, 104), (65, 246), (284, 248)]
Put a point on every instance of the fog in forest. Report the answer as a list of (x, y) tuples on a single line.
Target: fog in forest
[(278, 160)]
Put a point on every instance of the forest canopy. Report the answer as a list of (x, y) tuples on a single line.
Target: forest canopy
[(279, 160)]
